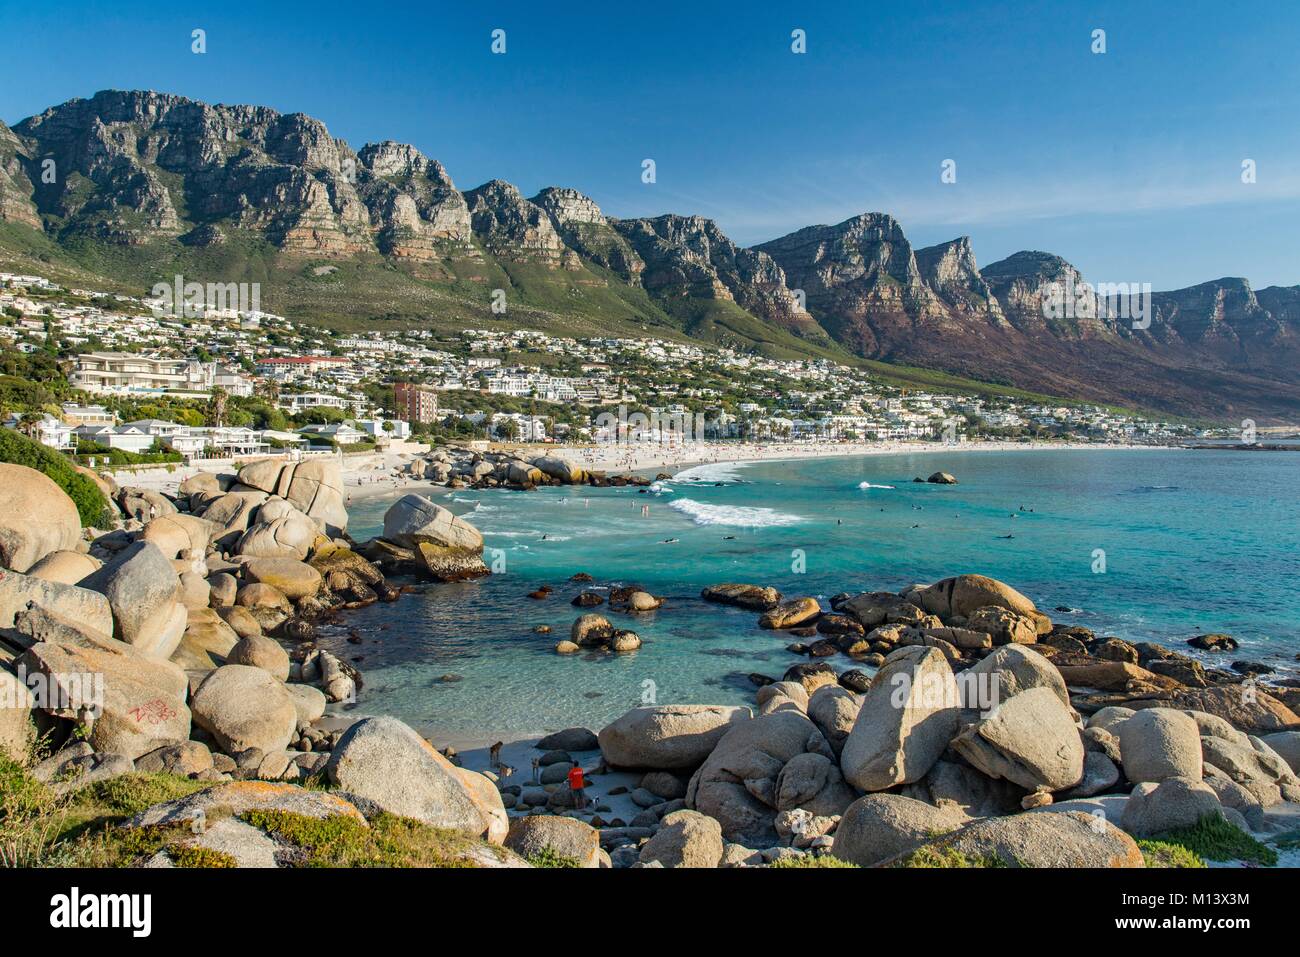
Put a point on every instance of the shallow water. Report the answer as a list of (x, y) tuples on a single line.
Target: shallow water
[(1192, 541)]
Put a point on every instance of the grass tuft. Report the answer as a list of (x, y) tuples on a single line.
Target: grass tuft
[(1214, 839), (191, 856), (1166, 854), (547, 857), (389, 841), (808, 860), (947, 857)]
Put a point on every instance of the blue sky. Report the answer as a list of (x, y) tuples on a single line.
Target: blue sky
[(1127, 163)]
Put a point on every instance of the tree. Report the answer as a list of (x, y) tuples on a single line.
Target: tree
[(217, 407)]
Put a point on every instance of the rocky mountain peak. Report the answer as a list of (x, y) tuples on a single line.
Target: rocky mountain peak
[(511, 226), (392, 159), (949, 270), (568, 206)]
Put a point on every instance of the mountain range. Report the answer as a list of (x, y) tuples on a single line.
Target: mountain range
[(130, 188)]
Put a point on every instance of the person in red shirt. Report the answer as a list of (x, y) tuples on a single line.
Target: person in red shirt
[(577, 785)]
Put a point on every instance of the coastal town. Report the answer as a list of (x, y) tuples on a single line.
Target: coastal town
[(94, 372)]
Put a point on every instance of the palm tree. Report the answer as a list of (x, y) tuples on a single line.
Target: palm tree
[(29, 424)]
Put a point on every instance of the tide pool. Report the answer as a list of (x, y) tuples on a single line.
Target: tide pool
[(1147, 545)]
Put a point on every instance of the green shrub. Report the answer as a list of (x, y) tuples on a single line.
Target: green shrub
[(1214, 839), (17, 449), (389, 841), (934, 855), (186, 855), (547, 857), (808, 860), (1165, 854)]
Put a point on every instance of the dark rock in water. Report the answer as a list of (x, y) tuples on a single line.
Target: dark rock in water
[(760, 680), (808, 670), (798, 648), (942, 478), (1252, 668), (804, 632), (855, 680), (757, 597), (539, 594), (1064, 608), (824, 648), (451, 678), (839, 625), (581, 577), (919, 479), (587, 599), (542, 630), (1213, 642), (621, 594), (841, 598)]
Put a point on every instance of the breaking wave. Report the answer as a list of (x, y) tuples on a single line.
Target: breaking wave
[(702, 513)]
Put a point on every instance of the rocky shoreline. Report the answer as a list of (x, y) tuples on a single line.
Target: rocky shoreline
[(972, 729)]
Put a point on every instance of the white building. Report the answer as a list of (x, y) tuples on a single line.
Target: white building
[(47, 430), (125, 437)]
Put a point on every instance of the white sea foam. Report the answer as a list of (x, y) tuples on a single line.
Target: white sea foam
[(867, 485), (712, 472), (702, 513)]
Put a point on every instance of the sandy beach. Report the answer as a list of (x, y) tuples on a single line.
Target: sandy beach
[(381, 474), (640, 457)]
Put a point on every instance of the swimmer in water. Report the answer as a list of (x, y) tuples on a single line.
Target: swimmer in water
[(668, 541)]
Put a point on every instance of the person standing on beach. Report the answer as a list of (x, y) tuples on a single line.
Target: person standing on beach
[(578, 786)]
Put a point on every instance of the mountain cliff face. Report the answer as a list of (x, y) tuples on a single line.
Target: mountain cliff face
[(16, 189), (689, 259), (415, 210), (860, 278), (1031, 321), (949, 270), (584, 228), (172, 177)]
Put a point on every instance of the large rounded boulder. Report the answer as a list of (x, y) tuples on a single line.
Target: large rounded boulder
[(1030, 739), (533, 836), (36, 517), (385, 761), (245, 707), (878, 827), (449, 548), (964, 594), (667, 737), (144, 592), (907, 718)]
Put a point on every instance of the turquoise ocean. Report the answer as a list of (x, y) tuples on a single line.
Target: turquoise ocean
[(1151, 545)]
